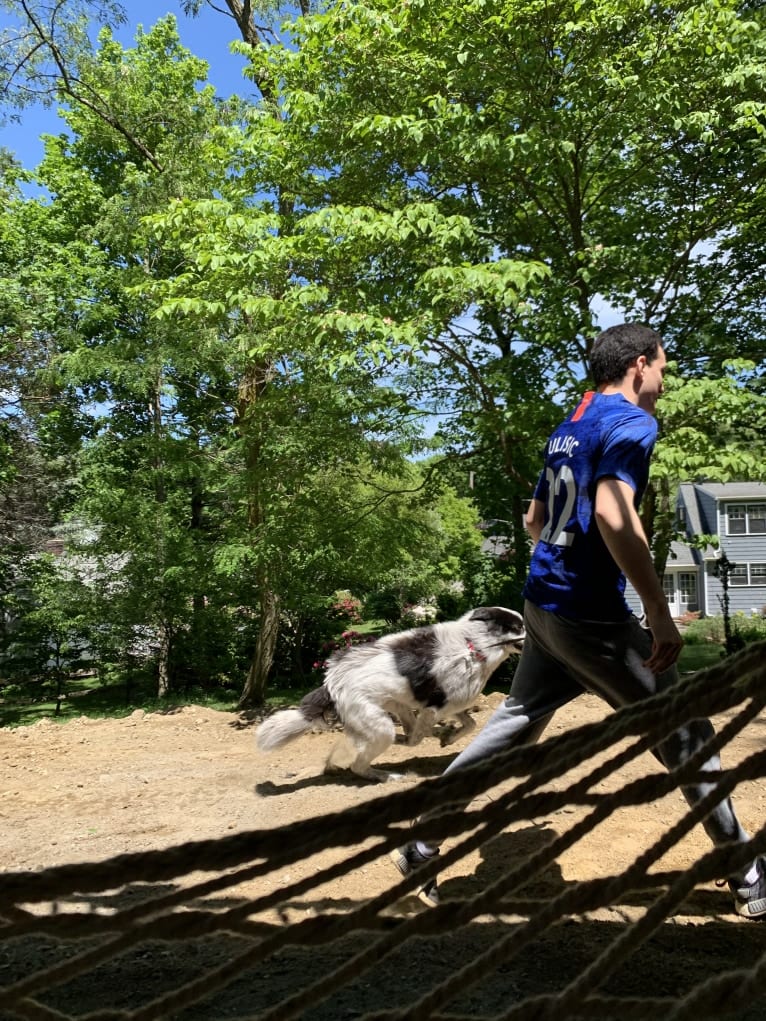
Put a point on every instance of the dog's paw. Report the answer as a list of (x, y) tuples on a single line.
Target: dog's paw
[(379, 776), (394, 777), (449, 735)]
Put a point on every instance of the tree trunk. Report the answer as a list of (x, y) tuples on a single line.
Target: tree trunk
[(163, 666), (252, 386), (254, 691), (199, 638), (160, 498), (251, 389), (658, 518)]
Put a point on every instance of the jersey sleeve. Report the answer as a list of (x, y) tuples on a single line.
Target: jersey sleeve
[(627, 451)]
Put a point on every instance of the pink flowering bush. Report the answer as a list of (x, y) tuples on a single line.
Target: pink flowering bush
[(345, 607), (346, 640)]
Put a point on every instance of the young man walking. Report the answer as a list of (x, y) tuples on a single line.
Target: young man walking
[(580, 634)]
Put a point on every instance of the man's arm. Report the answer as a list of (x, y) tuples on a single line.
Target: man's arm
[(535, 518), (623, 533)]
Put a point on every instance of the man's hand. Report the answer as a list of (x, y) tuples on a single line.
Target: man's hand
[(667, 643)]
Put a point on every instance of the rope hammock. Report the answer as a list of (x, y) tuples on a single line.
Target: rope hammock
[(565, 770)]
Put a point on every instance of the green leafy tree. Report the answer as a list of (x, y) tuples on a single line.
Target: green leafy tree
[(171, 405), (598, 152), (154, 395), (689, 450), (48, 635), (421, 213)]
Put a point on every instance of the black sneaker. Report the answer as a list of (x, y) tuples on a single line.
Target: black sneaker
[(429, 894), (409, 859), (750, 901)]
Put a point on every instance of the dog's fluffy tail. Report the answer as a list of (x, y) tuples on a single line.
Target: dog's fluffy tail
[(316, 710)]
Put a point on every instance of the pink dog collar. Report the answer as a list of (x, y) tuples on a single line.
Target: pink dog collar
[(474, 653)]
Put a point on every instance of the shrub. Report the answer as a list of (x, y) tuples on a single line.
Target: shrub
[(748, 629), (417, 615), (451, 603), (385, 604), (710, 629), (345, 607), (333, 645), (704, 629)]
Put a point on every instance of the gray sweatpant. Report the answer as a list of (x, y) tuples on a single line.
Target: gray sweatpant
[(561, 659)]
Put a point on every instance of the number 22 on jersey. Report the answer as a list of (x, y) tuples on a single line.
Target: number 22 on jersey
[(562, 492)]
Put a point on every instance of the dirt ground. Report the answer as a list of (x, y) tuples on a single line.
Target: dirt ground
[(92, 789)]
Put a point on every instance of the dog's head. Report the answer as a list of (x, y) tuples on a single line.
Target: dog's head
[(504, 627)]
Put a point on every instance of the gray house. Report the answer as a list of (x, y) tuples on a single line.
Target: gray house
[(735, 512)]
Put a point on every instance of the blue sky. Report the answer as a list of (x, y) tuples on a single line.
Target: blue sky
[(208, 36)]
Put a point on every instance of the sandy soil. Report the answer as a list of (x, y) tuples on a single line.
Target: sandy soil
[(92, 789)]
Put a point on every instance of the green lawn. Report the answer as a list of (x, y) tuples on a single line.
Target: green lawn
[(699, 656), (86, 697)]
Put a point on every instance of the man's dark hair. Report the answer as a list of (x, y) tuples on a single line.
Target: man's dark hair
[(615, 348)]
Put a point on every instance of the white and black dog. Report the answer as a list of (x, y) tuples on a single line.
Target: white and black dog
[(420, 676)]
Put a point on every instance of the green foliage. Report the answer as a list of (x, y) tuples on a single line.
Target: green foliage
[(689, 450), (711, 630), (386, 604), (748, 628), (596, 151), (226, 323), (46, 630), (703, 630)]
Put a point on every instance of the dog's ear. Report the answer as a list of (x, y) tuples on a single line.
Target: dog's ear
[(507, 620)]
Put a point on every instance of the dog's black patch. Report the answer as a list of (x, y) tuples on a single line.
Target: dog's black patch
[(316, 703), (414, 656), (501, 620)]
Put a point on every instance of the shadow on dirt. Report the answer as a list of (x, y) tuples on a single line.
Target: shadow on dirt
[(672, 962)]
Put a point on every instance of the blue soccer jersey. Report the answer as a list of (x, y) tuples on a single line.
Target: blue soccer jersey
[(572, 572)]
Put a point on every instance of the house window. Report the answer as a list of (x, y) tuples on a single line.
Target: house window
[(669, 587), (738, 575), (748, 574), (746, 519), (687, 586), (737, 521)]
